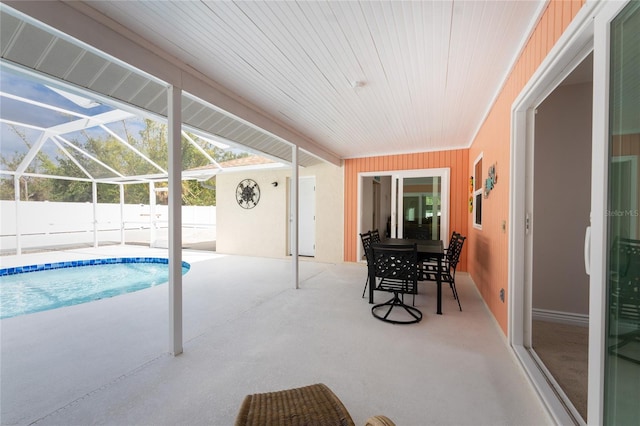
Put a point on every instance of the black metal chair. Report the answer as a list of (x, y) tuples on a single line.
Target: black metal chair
[(394, 268), (367, 239), (452, 240), (449, 265), (366, 244), (624, 296)]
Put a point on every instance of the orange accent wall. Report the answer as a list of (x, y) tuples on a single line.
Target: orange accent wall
[(488, 248), (456, 160), (486, 254)]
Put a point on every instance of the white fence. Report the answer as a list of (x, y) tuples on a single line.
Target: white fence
[(45, 224)]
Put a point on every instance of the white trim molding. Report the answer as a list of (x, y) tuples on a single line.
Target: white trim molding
[(568, 318)]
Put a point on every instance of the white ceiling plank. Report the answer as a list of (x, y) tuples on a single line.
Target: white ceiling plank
[(430, 69)]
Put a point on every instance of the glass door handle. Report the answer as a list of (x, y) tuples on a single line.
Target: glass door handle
[(587, 250)]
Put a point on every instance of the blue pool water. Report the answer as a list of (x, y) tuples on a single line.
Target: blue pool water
[(35, 288)]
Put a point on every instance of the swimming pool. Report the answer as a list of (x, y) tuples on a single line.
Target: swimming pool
[(34, 288)]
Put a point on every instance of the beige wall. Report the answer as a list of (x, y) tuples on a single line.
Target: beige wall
[(329, 211), (263, 230)]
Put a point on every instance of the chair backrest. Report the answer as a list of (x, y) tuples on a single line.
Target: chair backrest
[(452, 240), (453, 254), (394, 263), (625, 283), (450, 248), (375, 236), (625, 259), (366, 244)]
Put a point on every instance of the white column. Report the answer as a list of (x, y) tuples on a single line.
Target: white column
[(434, 218), (175, 220), (94, 190), (394, 206), (153, 235), (294, 216), (121, 214), (16, 192)]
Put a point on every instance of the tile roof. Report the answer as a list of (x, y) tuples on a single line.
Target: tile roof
[(251, 160)]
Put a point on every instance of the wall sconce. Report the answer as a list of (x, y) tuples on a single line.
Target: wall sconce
[(274, 183)]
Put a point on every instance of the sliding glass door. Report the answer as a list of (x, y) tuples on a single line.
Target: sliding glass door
[(420, 204), (622, 351), (610, 31), (405, 204)]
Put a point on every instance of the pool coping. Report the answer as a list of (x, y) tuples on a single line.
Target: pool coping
[(86, 262)]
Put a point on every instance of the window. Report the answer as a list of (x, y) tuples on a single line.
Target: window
[(477, 193)]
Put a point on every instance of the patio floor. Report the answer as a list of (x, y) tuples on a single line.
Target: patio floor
[(246, 330)]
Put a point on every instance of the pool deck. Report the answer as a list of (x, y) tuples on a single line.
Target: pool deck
[(247, 330)]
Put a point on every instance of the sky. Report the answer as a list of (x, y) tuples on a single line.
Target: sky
[(12, 82)]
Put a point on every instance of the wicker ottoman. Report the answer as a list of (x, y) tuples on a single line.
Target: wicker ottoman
[(313, 405)]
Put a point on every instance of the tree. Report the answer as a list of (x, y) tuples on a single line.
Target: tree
[(151, 141), (31, 188)]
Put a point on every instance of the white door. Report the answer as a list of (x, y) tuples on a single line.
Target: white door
[(306, 216)]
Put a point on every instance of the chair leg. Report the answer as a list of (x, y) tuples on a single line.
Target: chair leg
[(406, 290), (365, 286), (455, 294), (395, 301)]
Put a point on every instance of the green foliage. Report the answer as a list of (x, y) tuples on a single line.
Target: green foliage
[(195, 193), (136, 193), (6, 188), (115, 156)]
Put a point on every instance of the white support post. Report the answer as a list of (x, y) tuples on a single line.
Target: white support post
[(175, 220), (294, 216), (94, 190), (121, 214), (434, 211), (16, 191), (153, 235)]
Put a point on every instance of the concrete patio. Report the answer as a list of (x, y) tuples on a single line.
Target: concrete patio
[(247, 330)]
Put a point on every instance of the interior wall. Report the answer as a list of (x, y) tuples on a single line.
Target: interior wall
[(456, 160), (562, 166), (488, 248), (264, 229), (366, 215), (385, 203), (366, 218)]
